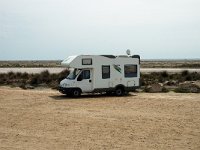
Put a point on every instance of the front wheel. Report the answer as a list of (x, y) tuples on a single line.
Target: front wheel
[(76, 93), (119, 92)]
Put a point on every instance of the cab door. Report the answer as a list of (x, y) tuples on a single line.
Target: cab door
[(84, 80)]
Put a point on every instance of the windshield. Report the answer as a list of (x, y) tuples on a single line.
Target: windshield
[(73, 74)]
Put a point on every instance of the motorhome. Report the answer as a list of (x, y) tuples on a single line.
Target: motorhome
[(101, 74)]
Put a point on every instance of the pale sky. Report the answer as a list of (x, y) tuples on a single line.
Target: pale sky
[(56, 29)]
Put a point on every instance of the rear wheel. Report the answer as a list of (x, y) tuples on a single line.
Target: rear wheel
[(119, 91), (76, 92)]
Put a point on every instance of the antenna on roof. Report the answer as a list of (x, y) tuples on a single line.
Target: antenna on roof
[(128, 52)]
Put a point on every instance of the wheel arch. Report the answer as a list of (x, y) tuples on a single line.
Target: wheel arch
[(120, 86)]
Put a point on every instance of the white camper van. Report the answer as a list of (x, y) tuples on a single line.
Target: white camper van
[(101, 73)]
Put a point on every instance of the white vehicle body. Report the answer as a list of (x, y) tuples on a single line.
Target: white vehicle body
[(101, 73)]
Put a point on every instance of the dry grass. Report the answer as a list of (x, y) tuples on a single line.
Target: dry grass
[(170, 64), (22, 79), (161, 77), (36, 63), (45, 119), (46, 79)]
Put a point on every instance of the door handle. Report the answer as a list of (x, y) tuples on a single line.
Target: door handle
[(90, 80)]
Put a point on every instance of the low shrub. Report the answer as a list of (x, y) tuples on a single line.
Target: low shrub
[(52, 80), (188, 87), (11, 75), (23, 86), (165, 90), (162, 77), (184, 73), (44, 77), (164, 74), (35, 79), (22, 79), (62, 75)]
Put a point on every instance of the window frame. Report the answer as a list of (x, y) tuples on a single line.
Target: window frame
[(86, 59), (84, 74), (105, 75), (130, 74)]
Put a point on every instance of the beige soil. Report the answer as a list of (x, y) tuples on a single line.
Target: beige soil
[(58, 70), (44, 119)]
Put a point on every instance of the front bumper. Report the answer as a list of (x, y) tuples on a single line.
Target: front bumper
[(64, 90)]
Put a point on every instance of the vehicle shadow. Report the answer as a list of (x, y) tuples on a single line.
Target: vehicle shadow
[(87, 96)]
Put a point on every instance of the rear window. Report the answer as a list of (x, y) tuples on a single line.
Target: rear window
[(130, 71)]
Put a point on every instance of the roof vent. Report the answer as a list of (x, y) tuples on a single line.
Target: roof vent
[(128, 52)]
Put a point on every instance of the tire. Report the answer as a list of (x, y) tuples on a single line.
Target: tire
[(119, 92), (76, 93)]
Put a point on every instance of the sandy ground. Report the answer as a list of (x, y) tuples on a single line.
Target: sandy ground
[(58, 70), (44, 119)]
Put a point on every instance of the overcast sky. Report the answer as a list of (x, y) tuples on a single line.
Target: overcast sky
[(55, 29)]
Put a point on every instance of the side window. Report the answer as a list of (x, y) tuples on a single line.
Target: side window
[(105, 72), (86, 74), (87, 61), (130, 71)]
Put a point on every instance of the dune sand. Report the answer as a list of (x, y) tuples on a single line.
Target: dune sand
[(44, 119)]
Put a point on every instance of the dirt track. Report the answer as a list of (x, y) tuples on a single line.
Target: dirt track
[(33, 119)]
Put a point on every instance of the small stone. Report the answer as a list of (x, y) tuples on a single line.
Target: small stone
[(154, 88)]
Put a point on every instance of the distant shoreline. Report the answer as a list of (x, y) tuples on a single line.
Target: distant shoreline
[(146, 59)]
